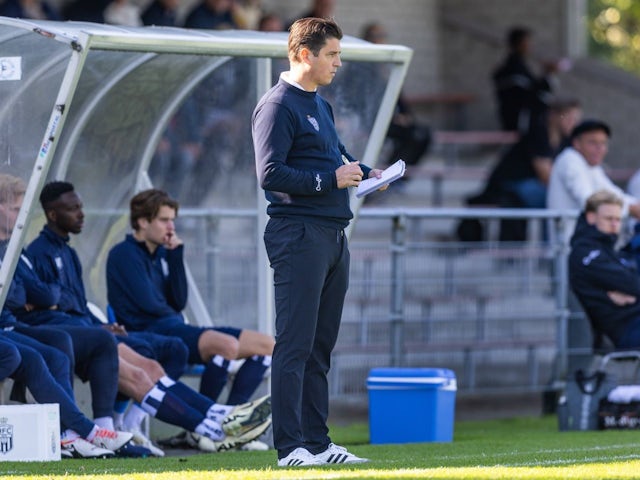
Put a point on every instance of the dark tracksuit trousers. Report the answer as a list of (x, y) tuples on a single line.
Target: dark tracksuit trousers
[(9, 359), (94, 351), (45, 372), (311, 276)]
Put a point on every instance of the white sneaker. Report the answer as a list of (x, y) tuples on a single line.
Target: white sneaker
[(230, 442), (205, 444), (141, 439), (300, 457), (337, 454), (111, 440), (254, 446), (80, 448)]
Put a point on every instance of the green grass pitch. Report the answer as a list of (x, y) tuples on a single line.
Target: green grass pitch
[(522, 448)]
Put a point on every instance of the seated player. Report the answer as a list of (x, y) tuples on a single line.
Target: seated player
[(147, 289)]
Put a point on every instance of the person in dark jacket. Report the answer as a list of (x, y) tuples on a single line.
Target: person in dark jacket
[(603, 278), (147, 290), (212, 15), (522, 96), (161, 13)]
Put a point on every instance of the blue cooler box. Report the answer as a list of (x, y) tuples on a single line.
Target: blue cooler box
[(411, 405)]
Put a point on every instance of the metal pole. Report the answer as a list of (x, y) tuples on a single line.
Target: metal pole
[(396, 316), (562, 292)]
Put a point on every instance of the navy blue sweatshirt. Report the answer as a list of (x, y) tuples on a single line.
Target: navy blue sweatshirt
[(55, 262), (18, 294), (143, 287), (595, 268), (297, 152)]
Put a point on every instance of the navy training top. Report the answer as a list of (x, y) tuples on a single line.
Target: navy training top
[(143, 287), (55, 262), (297, 152)]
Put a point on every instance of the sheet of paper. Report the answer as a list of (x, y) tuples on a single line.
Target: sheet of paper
[(389, 175)]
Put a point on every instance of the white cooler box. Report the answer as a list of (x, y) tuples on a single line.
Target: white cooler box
[(30, 433)]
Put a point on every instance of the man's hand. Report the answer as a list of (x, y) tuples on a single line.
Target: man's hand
[(349, 175), (377, 173), (621, 299), (634, 210), (29, 307), (172, 241), (116, 329)]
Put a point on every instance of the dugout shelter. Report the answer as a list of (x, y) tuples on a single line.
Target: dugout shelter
[(115, 110)]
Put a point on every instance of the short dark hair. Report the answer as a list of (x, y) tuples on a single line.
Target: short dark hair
[(562, 104), (311, 33), (52, 191), (147, 203), (516, 35), (590, 125)]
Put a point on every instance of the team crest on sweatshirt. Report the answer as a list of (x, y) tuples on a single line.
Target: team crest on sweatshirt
[(313, 123)]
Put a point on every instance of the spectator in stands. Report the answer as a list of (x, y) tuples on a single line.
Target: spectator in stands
[(411, 140), (161, 13), (605, 280), (147, 289), (86, 10), (577, 172), (318, 9), (33, 9), (633, 186), (522, 96), (123, 12), (248, 13), (521, 176), (212, 15), (270, 22), (142, 379)]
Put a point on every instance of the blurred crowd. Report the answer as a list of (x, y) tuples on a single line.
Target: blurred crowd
[(210, 14)]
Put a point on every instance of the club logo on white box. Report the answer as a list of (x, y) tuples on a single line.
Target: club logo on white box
[(6, 435)]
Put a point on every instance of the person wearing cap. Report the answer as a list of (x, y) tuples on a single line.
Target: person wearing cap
[(577, 173)]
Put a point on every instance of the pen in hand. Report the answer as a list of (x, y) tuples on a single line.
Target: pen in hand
[(345, 160)]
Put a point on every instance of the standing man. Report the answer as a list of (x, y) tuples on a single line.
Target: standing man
[(299, 163), (521, 95)]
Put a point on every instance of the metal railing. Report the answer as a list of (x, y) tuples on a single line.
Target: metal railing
[(494, 311)]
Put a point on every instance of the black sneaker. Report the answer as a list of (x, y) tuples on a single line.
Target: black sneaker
[(131, 450)]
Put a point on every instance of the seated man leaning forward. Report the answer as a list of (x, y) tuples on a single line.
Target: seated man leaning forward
[(606, 283), (147, 290)]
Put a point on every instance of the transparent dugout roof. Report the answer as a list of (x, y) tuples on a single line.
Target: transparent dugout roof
[(115, 110)]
